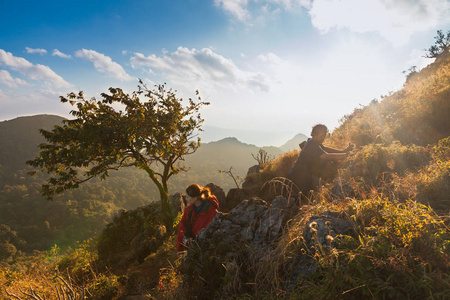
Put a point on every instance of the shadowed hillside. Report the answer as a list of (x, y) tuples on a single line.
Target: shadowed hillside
[(20, 139), (377, 229), (79, 214)]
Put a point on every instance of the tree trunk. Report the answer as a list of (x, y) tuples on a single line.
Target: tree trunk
[(166, 210)]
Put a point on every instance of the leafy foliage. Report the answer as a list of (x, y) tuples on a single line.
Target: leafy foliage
[(441, 46), (152, 135), (131, 236)]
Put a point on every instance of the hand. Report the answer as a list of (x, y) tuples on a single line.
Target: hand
[(350, 147)]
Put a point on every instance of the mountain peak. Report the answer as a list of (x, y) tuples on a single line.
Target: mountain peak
[(293, 144)]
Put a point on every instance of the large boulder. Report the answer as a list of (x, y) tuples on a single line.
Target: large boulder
[(251, 181), (229, 251), (219, 193), (342, 189), (234, 197), (253, 222), (324, 228), (320, 232), (177, 202)]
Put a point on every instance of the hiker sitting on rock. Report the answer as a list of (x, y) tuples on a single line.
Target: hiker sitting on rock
[(202, 208), (312, 161)]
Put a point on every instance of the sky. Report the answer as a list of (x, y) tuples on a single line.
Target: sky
[(269, 68)]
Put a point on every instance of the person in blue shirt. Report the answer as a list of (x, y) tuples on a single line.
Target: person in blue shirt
[(311, 163)]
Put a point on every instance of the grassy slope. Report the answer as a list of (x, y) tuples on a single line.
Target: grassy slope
[(399, 248)]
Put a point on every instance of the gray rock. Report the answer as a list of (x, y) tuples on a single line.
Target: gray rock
[(234, 198), (324, 228), (342, 189), (219, 193), (253, 222), (176, 200)]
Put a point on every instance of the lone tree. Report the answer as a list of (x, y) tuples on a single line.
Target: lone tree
[(441, 46), (151, 130)]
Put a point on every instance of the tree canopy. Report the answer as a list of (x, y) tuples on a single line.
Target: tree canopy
[(149, 129), (441, 46)]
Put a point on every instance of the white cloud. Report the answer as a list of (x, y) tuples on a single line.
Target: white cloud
[(20, 102), (240, 8), (39, 51), (194, 67), (8, 80), (269, 58), (35, 72), (104, 64), (395, 20), (234, 7), (56, 52)]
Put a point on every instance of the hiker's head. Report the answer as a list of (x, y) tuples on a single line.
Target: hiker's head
[(319, 133), (195, 192)]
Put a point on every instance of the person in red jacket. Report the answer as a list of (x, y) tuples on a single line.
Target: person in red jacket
[(202, 208)]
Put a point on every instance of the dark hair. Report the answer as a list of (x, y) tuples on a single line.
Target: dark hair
[(195, 190), (317, 128)]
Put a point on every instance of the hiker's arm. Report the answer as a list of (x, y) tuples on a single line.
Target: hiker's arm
[(334, 156), (332, 150)]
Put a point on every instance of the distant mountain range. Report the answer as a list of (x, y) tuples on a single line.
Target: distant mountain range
[(293, 144), (20, 137)]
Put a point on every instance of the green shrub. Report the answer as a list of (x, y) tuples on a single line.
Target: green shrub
[(402, 251), (375, 162), (431, 184), (132, 235)]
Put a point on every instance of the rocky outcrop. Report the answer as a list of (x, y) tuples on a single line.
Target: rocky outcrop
[(320, 234), (234, 198), (251, 182), (219, 193), (249, 232), (178, 205), (324, 228), (252, 222)]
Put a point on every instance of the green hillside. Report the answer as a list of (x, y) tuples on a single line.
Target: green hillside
[(74, 216), (20, 137), (80, 214), (392, 192)]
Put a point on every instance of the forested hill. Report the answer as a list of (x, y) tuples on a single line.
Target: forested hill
[(20, 138), (80, 214)]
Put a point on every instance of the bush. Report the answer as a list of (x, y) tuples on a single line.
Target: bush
[(277, 167), (376, 162), (431, 184), (132, 235), (401, 252)]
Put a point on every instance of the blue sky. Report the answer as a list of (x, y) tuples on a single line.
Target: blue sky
[(270, 68)]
